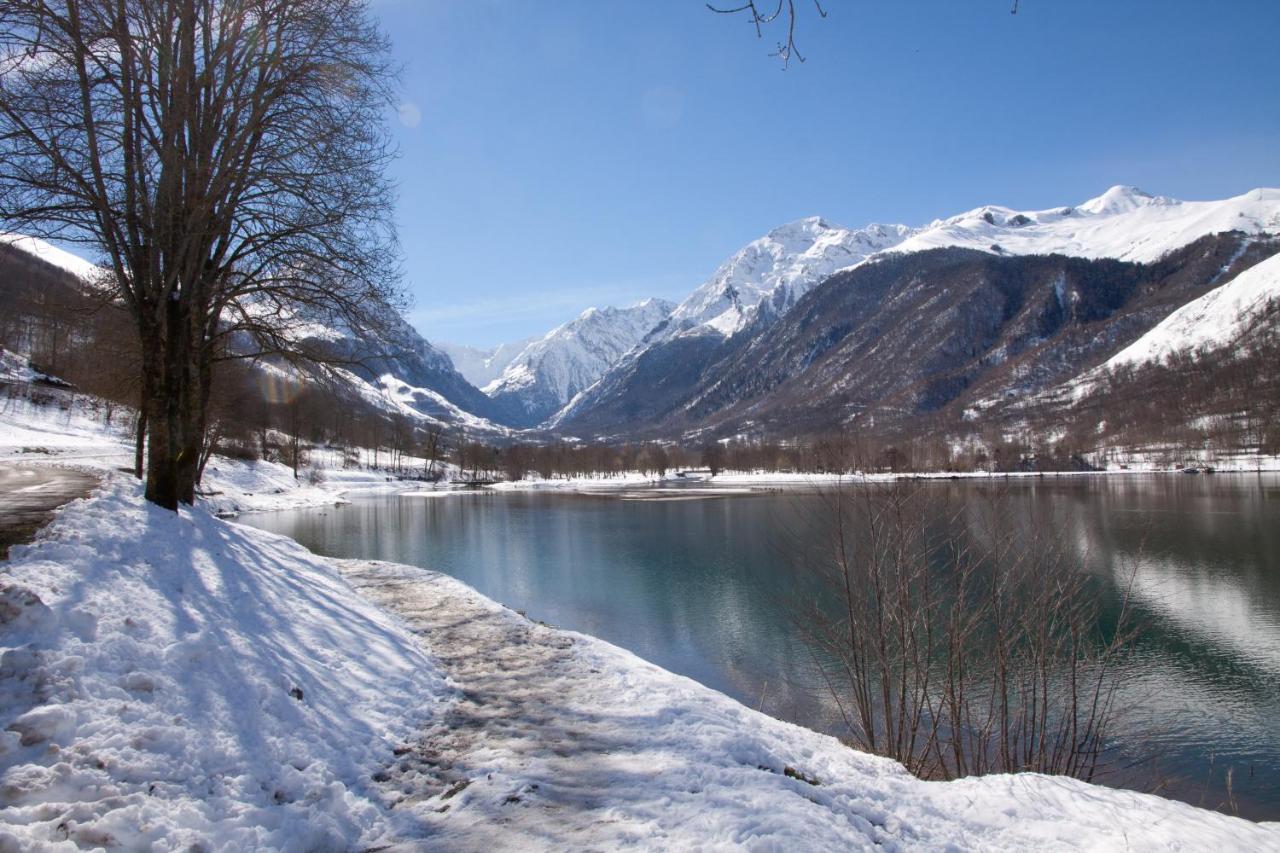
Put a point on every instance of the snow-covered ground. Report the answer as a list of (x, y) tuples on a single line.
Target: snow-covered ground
[(171, 681), (73, 430), (175, 681), (232, 486)]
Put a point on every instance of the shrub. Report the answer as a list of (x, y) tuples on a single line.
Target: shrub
[(956, 652)]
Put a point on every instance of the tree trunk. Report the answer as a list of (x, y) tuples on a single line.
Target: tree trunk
[(177, 384), (140, 435), (212, 436)]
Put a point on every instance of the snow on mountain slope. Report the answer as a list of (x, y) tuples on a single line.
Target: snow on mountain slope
[(1123, 223), (569, 358), (51, 254), (1218, 318), (482, 366), (392, 394), (777, 269)]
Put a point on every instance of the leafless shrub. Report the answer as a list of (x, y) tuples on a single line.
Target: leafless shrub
[(958, 646)]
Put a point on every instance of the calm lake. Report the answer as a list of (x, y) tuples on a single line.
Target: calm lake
[(704, 588)]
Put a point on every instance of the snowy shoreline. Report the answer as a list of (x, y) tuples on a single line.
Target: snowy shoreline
[(741, 483), (169, 679)]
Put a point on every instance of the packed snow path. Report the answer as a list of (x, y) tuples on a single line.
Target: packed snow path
[(556, 740), (28, 496)]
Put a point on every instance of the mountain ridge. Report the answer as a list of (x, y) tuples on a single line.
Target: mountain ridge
[(1123, 223)]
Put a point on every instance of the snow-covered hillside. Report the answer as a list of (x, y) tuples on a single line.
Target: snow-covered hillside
[(551, 370), (482, 366), (1218, 318), (390, 366), (1123, 223), (776, 270), (51, 254)]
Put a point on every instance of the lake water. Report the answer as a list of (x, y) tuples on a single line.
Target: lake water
[(703, 588)]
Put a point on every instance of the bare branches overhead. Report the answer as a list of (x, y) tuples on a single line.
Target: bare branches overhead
[(784, 10), (762, 19)]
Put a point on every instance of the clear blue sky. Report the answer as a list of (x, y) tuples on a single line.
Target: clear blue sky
[(557, 155)]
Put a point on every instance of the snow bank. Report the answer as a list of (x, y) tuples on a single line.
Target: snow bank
[(169, 680), (70, 428), (233, 486)]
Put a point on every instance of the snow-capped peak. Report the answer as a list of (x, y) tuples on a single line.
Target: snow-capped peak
[(777, 269), (482, 366), (552, 369), (1122, 199), (808, 226)]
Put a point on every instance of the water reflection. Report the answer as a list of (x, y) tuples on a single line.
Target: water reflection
[(701, 588)]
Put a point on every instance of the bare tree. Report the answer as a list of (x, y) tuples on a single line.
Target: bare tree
[(434, 444), (226, 160)]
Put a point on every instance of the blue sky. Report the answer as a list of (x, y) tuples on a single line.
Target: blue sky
[(557, 155)]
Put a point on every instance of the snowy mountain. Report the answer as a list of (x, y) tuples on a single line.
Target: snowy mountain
[(909, 335), (612, 370), (405, 374), (481, 366), (548, 372), (759, 284)]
